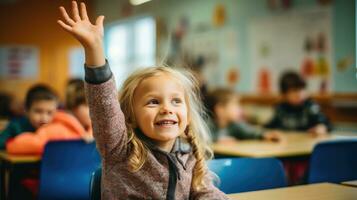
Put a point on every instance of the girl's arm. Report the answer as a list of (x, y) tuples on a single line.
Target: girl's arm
[(107, 118)]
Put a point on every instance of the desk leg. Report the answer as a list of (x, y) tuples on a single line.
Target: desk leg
[(16, 173), (296, 169), (2, 180)]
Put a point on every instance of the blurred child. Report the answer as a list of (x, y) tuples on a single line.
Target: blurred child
[(5, 105), (63, 126), (40, 105), (226, 119), (153, 142), (5, 111), (10, 108), (76, 103), (297, 111)]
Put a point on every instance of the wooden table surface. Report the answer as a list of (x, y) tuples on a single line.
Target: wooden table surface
[(19, 158), (3, 124), (350, 183), (294, 144), (321, 191)]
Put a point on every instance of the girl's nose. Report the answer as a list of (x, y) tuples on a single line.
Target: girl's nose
[(166, 109)]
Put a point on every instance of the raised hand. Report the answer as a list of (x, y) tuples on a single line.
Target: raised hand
[(88, 34)]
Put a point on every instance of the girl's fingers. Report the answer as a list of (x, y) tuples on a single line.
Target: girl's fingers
[(65, 16), (75, 11), (84, 14), (99, 20), (64, 26)]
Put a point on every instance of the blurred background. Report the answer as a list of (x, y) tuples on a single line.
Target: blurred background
[(239, 44)]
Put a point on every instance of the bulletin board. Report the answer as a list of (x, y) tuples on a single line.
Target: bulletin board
[(220, 49), (300, 41), (19, 62)]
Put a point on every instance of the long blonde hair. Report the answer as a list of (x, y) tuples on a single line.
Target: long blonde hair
[(196, 133)]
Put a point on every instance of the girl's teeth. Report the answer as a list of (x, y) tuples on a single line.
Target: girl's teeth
[(166, 122)]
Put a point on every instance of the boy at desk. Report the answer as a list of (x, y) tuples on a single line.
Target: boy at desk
[(40, 104), (62, 126), (226, 119), (297, 111)]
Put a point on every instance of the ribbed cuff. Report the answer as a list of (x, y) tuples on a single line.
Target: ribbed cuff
[(97, 75)]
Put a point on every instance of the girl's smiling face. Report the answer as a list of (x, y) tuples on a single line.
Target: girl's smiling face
[(160, 109)]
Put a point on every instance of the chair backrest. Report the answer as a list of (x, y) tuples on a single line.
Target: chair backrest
[(66, 169), (334, 161), (248, 174), (95, 184)]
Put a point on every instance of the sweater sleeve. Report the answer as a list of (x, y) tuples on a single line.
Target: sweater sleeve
[(316, 116), (244, 131), (108, 120), (9, 132), (26, 143)]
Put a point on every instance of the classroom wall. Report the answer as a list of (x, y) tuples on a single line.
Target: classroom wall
[(33, 22), (239, 14)]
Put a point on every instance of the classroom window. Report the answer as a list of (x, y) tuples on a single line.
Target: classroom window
[(131, 45)]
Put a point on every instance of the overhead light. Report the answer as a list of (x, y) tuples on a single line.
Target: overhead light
[(138, 2)]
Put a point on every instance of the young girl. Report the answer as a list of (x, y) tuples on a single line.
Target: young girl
[(153, 141)]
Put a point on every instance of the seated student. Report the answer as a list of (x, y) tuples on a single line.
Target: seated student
[(63, 126), (40, 105), (76, 103), (227, 123), (10, 108), (297, 111)]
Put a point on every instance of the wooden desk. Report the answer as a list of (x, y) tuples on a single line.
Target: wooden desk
[(8, 166), (18, 158), (3, 124), (294, 144), (350, 183), (321, 191)]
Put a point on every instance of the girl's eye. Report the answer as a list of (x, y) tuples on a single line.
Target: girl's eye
[(177, 101), (153, 101)]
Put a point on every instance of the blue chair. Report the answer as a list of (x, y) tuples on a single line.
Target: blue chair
[(66, 169), (248, 174), (334, 161), (95, 184)]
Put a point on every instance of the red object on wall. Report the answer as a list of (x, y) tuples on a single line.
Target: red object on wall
[(307, 68), (264, 78)]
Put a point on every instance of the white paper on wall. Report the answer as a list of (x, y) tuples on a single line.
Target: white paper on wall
[(19, 62)]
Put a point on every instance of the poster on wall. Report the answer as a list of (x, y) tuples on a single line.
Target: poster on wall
[(19, 62), (219, 50), (300, 41)]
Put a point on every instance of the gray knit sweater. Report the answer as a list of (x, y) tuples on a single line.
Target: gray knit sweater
[(163, 176)]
